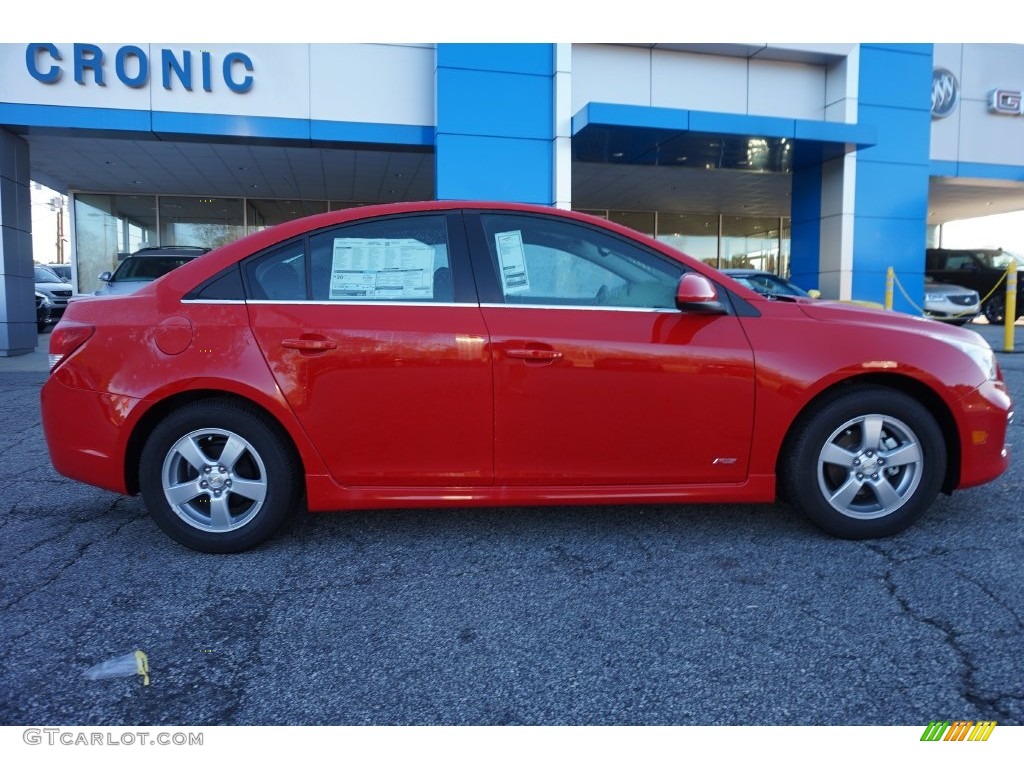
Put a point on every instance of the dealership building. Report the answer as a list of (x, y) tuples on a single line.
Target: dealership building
[(827, 163)]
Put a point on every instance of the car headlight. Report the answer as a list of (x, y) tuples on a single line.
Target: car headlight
[(981, 354)]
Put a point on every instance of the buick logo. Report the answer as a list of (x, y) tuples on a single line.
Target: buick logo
[(945, 93)]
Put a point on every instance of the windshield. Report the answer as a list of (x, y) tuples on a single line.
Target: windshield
[(146, 268), (46, 275), (770, 285)]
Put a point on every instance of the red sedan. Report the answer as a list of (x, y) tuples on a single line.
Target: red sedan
[(454, 354)]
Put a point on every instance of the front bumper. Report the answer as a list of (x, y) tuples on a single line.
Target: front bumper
[(983, 417)]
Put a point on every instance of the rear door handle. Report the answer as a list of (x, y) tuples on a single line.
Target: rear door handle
[(534, 354), (309, 345)]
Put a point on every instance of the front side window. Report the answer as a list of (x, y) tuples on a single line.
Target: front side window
[(553, 262)]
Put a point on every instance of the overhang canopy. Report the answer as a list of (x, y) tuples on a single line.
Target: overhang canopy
[(638, 135)]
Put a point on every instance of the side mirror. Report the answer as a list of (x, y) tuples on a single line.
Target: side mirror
[(105, 276), (695, 293)]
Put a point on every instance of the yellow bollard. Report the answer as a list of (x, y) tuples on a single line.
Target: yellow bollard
[(890, 277), (1011, 306)]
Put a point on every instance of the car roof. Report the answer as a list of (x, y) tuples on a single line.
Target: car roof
[(172, 250)]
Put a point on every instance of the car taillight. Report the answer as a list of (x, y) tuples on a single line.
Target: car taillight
[(66, 338)]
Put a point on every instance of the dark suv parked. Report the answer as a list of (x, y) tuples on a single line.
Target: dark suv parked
[(980, 269)]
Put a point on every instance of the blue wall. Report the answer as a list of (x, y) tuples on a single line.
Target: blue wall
[(495, 122), (891, 205), (805, 235)]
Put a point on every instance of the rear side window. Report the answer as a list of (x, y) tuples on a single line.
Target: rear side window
[(397, 259), (279, 275)]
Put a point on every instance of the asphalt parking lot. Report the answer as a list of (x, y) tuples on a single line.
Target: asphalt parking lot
[(704, 615)]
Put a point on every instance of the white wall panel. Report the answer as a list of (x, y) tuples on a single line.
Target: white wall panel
[(373, 83), (989, 138), (610, 73), (687, 80), (696, 81), (787, 89), (990, 66)]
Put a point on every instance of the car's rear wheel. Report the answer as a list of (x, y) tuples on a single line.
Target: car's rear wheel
[(866, 462), (217, 476)]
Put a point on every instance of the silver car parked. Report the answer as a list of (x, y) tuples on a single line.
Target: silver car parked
[(145, 266), (950, 303)]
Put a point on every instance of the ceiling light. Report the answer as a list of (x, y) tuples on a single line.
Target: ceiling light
[(618, 154)]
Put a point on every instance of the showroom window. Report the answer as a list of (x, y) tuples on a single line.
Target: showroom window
[(209, 222), (108, 228), (719, 240)]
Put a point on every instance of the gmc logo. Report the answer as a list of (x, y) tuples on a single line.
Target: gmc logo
[(1005, 102)]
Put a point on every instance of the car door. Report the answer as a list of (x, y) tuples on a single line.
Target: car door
[(598, 377), (375, 336)]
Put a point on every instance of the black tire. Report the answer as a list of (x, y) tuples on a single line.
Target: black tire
[(210, 501), (866, 462), (42, 323), (995, 308)]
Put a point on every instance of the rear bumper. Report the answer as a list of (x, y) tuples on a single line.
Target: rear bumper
[(87, 432)]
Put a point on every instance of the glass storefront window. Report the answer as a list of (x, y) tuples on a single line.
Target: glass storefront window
[(108, 228), (750, 242), (204, 221), (785, 238), (695, 234), (641, 221), (340, 205), (260, 214)]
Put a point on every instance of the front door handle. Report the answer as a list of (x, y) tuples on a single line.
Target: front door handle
[(539, 355)]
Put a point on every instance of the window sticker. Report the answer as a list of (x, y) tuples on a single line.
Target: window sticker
[(512, 261), (381, 268)]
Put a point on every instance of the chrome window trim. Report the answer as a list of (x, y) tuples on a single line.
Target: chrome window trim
[(297, 302), (213, 301), (585, 307)]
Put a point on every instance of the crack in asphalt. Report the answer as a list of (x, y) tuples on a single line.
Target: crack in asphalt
[(74, 558), (991, 707)]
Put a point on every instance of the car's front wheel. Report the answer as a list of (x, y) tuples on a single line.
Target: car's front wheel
[(995, 308), (864, 463), (218, 476)]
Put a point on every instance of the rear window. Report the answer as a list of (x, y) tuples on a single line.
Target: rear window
[(138, 268)]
